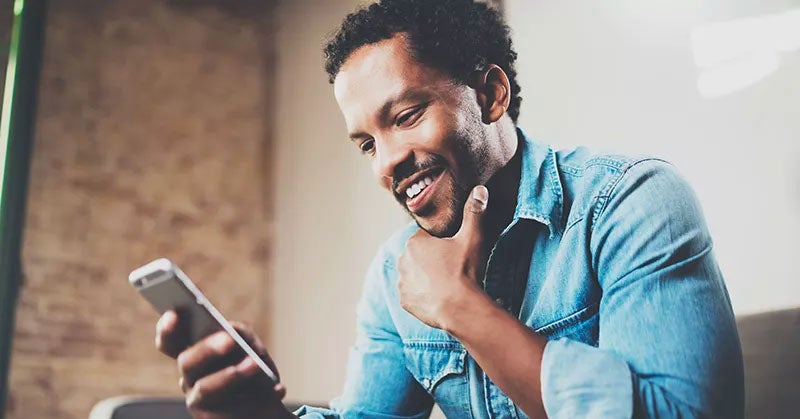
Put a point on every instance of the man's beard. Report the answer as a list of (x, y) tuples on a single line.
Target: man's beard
[(472, 160), (455, 207)]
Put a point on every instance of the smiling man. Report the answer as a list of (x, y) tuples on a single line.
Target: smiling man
[(532, 282)]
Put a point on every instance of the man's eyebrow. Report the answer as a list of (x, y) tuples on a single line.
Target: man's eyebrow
[(383, 113), (405, 95), (357, 136)]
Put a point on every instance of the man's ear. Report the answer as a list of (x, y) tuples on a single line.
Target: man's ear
[(493, 91)]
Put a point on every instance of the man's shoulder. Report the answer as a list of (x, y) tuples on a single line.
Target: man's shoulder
[(588, 177), (580, 160)]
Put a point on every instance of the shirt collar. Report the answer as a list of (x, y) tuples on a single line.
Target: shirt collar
[(540, 195)]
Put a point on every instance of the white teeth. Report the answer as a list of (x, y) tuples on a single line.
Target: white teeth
[(416, 188)]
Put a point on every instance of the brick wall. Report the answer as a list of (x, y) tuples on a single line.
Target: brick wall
[(152, 140)]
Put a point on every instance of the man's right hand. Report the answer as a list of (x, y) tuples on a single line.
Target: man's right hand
[(218, 379)]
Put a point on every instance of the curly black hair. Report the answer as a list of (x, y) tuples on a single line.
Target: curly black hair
[(456, 36)]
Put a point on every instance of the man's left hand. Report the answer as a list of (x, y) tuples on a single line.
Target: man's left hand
[(437, 275)]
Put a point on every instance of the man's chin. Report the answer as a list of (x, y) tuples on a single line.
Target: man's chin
[(437, 228)]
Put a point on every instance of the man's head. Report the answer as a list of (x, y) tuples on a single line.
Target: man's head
[(427, 91)]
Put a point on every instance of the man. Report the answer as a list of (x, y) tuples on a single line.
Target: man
[(533, 283)]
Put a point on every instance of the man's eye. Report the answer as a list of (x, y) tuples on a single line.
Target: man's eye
[(367, 146), (409, 117)]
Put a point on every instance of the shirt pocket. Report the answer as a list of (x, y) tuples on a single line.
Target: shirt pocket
[(582, 326), (440, 368)]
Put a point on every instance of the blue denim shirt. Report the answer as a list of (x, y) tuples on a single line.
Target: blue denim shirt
[(610, 259)]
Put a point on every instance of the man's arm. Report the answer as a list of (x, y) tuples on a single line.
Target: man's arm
[(378, 385), (668, 344), (507, 351)]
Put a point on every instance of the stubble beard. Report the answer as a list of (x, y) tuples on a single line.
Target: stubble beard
[(472, 155)]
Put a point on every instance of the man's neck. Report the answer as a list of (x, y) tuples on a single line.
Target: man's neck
[(503, 190)]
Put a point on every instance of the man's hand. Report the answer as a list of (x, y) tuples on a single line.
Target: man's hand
[(219, 381), (436, 275)]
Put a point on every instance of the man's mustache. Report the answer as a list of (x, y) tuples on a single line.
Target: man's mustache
[(408, 168)]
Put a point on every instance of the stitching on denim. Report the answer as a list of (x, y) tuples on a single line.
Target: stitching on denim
[(611, 186), (432, 344), (573, 222), (557, 189), (570, 320), (571, 170), (612, 162), (455, 364)]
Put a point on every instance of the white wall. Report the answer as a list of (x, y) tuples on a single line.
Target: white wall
[(620, 75), (330, 214)]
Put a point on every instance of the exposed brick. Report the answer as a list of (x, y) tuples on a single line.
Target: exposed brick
[(151, 141)]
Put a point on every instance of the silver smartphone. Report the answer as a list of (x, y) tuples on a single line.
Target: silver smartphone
[(166, 287)]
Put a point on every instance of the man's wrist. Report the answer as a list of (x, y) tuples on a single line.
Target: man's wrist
[(461, 310)]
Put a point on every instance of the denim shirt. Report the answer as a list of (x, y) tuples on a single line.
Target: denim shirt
[(610, 259)]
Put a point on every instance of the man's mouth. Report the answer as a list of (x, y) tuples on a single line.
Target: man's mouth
[(421, 189)]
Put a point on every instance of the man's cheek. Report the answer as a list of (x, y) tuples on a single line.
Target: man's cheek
[(384, 182)]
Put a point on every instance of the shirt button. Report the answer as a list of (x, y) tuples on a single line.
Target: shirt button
[(500, 302), (426, 383)]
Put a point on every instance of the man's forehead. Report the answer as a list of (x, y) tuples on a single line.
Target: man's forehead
[(383, 62), (385, 68)]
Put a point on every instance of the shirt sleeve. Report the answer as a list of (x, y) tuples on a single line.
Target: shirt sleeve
[(378, 385), (668, 345)]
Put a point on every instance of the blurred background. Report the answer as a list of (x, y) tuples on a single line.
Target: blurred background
[(206, 132)]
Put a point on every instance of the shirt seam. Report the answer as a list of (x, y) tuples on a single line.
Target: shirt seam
[(611, 187)]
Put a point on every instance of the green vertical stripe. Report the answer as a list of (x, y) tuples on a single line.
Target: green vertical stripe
[(8, 94), (16, 139)]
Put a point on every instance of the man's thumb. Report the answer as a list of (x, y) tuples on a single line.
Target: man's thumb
[(478, 199), (473, 210)]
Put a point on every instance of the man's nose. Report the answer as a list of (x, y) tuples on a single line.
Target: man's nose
[(388, 155)]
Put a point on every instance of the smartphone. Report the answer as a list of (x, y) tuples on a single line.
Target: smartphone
[(166, 287)]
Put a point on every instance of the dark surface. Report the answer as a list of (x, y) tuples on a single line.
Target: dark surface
[(771, 351), (6, 18), (165, 408)]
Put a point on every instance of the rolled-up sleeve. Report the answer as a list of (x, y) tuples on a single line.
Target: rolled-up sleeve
[(668, 345), (377, 385)]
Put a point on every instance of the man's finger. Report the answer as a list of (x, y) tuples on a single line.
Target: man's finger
[(171, 336), (229, 387), (211, 354), (249, 336), (280, 391), (474, 209)]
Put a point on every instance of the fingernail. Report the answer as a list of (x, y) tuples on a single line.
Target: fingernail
[(247, 366), (480, 194), (165, 318), (160, 324), (219, 341)]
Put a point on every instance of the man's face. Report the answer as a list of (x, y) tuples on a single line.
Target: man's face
[(421, 130)]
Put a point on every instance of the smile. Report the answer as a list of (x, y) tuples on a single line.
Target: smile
[(419, 192), (418, 187)]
